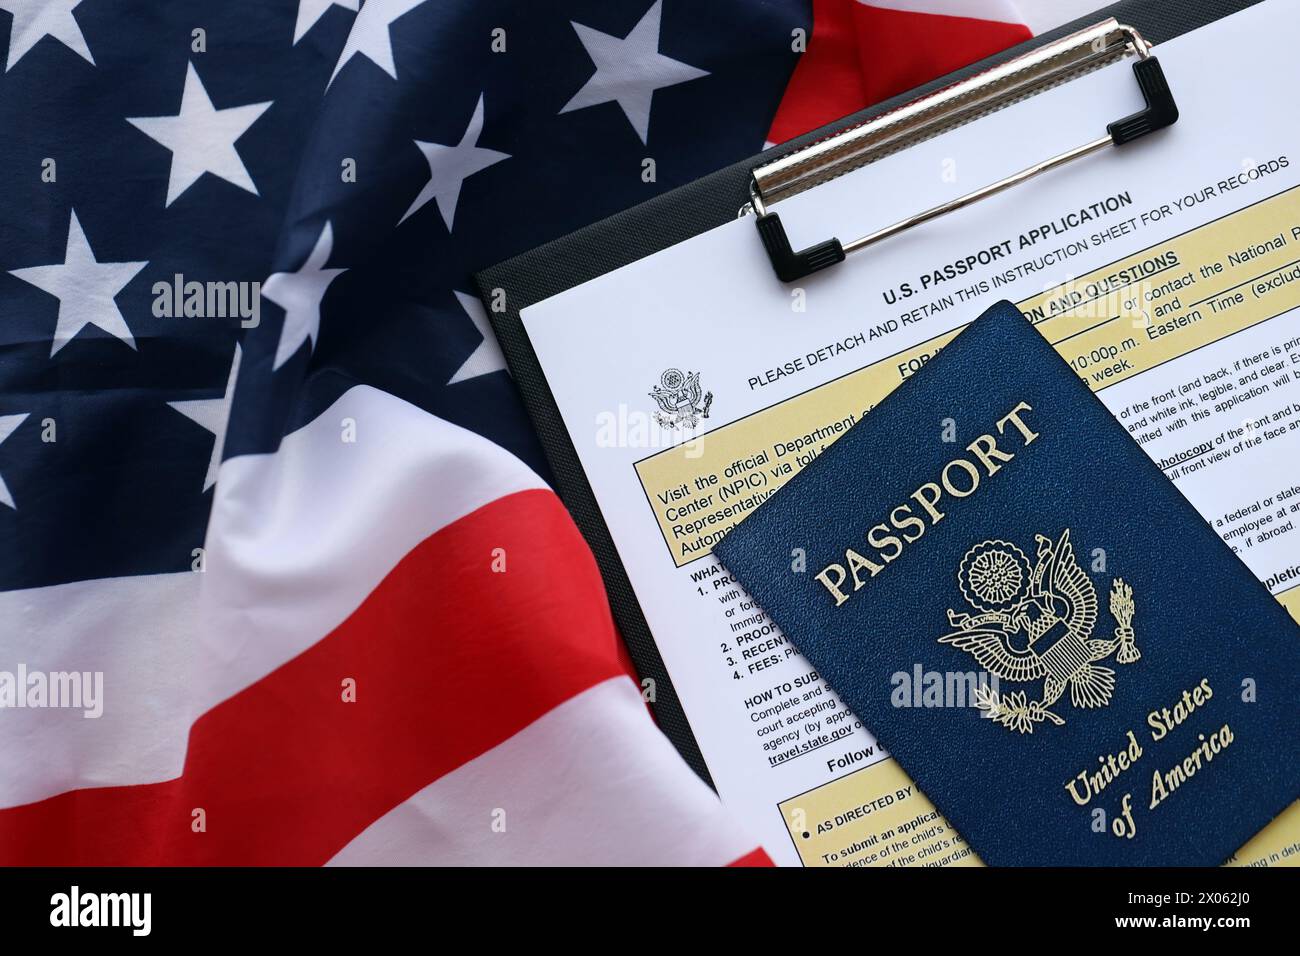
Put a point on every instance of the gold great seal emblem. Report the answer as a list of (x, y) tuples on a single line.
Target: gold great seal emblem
[(1037, 622)]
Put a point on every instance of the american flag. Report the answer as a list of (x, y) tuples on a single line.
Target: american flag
[(262, 466)]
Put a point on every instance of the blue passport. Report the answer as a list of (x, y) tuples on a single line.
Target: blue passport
[(1105, 683)]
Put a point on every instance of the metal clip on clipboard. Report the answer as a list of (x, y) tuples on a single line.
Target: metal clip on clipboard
[(1041, 68)]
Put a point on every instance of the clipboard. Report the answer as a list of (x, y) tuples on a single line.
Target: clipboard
[(754, 188)]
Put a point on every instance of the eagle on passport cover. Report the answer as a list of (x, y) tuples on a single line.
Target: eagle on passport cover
[(1136, 691)]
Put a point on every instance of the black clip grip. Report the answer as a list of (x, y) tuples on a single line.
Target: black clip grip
[(1161, 110), (791, 265)]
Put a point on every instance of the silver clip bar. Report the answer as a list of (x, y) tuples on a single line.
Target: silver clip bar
[(1041, 68)]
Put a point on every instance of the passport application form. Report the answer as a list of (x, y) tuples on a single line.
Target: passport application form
[(1167, 272)]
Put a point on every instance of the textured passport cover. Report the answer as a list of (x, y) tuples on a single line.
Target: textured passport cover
[(1141, 668)]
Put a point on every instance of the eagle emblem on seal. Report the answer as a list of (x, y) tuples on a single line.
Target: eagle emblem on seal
[(1037, 621), (679, 399)]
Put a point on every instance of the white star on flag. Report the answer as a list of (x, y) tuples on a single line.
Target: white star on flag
[(7, 425), (213, 414), (369, 36), (487, 356), (628, 71), (299, 294), (85, 289), (310, 11), (201, 138), (450, 166), (35, 19)]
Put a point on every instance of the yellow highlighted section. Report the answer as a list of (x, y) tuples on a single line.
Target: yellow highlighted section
[(877, 817), (873, 817), (1278, 844), (1291, 601), (1110, 325)]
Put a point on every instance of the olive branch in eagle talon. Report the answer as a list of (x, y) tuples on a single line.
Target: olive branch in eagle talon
[(1038, 622), (1013, 710)]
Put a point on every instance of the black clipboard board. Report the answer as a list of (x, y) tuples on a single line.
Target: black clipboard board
[(674, 217)]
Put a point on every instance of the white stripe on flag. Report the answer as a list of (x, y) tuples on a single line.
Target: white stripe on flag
[(140, 633), (296, 542), (593, 782), (300, 537)]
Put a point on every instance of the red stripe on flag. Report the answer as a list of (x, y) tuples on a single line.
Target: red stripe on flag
[(447, 664), (827, 82), (859, 55), (922, 46)]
